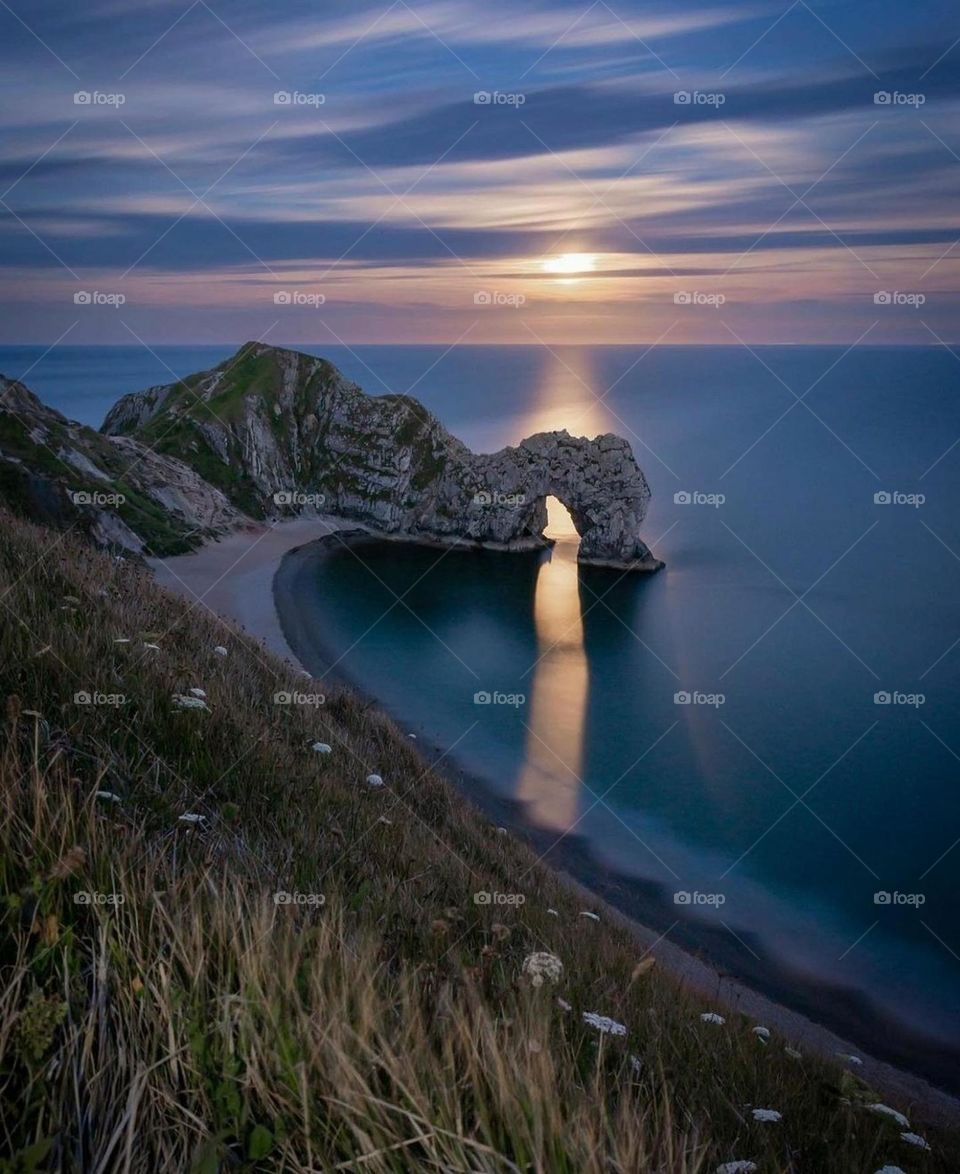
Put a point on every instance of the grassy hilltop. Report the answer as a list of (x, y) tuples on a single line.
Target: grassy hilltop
[(162, 1011)]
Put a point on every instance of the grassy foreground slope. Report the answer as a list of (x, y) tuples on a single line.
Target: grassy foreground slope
[(161, 1010)]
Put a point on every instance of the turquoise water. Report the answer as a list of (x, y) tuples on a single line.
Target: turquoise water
[(796, 799)]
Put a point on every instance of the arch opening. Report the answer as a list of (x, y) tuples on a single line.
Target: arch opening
[(560, 524)]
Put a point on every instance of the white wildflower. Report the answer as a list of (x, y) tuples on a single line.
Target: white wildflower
[(374, 781), (563, 1004), (501, 831), (741, 1167), (767, 1115), (542, 966), (793, 1053), (636, 1064), (712, 1017), (110, 796), (383, 819), (587, 913), (413, 736), (849, 1059), (762, 1033), (192, 817), (199, 693), (122, 640), (220, 650), (183, 702), (890, 1170), (915, 1139), (322, 748), (886, 1111), (604, 1025), (553, 913), (155, 647)]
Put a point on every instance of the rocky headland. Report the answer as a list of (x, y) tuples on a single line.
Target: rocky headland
[(273, 433)]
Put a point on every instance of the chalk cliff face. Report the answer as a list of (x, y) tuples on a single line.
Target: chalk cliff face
[(117, 490), (279, 432)]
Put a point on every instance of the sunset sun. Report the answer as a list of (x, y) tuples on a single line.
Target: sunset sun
[(570, 263)]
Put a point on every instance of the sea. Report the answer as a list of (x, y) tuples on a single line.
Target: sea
[(760, 742)]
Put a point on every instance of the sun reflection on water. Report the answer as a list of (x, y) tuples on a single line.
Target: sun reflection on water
[(550, 778)]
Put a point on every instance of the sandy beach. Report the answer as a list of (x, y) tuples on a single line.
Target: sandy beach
[(235, 578)]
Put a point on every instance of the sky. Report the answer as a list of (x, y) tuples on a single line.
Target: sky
[(761, 171)]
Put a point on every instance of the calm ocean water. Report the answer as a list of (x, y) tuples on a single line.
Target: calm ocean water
[(784, 805)]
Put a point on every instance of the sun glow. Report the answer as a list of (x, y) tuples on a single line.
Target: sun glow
[(570, 263)]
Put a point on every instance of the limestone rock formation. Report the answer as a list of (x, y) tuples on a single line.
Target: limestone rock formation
[(279, 432), (117, 490)]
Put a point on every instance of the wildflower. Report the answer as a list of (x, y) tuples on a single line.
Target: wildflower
[(793, 1053), (587, 913), (741, 1167), (413, 736), (109, 796), (636, 1064), (604, 1025), (850, 1059), (541, 966), (322, 748), (762, 1033), (383, 819), (501, 831), (890, 1170), (767, 1115), (915, 1139), (181, 701), (374, 781), (122, 640), (198, 693), (192, 817), (886, 1111), (563, 1004), (220, 650), (553, 913), (156, 647), (712, 1017)]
